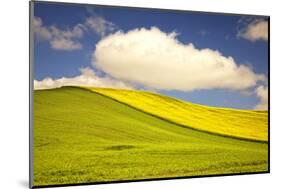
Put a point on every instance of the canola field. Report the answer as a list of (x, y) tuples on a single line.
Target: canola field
[(244, 124), (100, 135)]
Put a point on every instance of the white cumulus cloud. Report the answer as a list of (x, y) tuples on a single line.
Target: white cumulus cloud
[(156, 59), (255, 30), (87, 78), (262, 94)]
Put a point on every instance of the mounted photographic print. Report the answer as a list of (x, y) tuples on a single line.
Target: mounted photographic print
[(122, 94)]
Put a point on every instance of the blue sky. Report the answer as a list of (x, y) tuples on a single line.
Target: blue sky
[(65, 42)]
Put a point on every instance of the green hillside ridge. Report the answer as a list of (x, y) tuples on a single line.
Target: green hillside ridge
[(244, 124), (81, 136)]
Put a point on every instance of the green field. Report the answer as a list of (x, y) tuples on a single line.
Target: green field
[(83, 136)]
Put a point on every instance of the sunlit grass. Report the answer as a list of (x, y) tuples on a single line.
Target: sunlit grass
[(247, 124)]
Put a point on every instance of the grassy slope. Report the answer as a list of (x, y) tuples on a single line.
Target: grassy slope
[(81, 136), (247, 124)]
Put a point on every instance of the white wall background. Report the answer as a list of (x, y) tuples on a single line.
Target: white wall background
[(14, 70)]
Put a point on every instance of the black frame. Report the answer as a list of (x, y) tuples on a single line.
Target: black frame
[(31, 79)]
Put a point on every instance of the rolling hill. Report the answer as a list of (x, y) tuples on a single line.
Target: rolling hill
[(88, 136), (244, 124)]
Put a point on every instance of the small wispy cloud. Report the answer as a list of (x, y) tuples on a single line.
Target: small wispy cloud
[(100, 26), (227, 37), (253, 30), (68, 39), (65, 44), (88, 77), (262, 94), (203, 33), (41, 32), (59, 39)]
